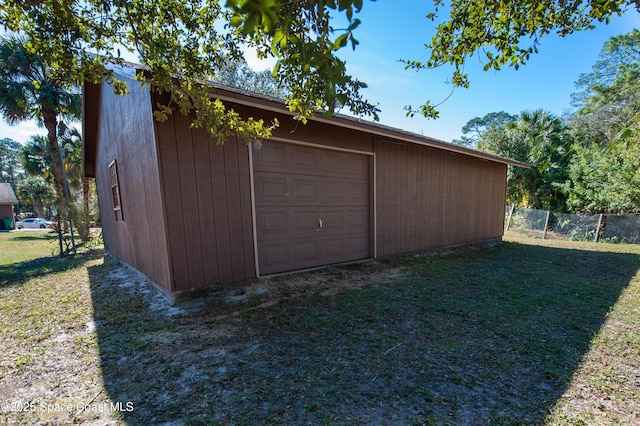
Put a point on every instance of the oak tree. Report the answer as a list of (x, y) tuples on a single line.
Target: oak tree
[(183, 42)]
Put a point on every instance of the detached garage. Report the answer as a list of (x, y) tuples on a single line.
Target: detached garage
[(191, 214)]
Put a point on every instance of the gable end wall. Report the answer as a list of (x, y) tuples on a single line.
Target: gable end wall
[(126, 135)]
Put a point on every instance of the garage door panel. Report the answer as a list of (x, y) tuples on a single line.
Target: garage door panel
[(332, 221), (300, 253), (357, 247), (312, 207), (345, 248), (305, 252), (333, 163), (273, 225), (357, 193), (345, 165), (357, 219), (358, 166), (302, 160), (305, 223), (270, 188), (271, 157), (274, 257), (334, 191), (305, 190), (345, 192), (273, 189), (334, 248), (279, 224)]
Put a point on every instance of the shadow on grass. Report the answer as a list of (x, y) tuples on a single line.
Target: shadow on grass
[(482, 337), (18, 273), (38, 237)]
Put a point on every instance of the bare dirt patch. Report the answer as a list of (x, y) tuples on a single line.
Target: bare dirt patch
[(265, 292)]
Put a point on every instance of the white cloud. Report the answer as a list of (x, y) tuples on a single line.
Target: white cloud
[(21, 132), (258, 64)]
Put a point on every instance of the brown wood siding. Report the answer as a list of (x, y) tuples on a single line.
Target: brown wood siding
[(6, 211), (126, 136), (207, 195), (313, 132), (187, 202), (428, 198)]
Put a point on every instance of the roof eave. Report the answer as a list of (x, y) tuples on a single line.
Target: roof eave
[(265, 102), (91, 94), (276, 105)]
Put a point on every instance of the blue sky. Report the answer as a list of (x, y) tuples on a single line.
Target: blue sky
[(390, 32)]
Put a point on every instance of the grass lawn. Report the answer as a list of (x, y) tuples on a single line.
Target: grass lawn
[(524, 332), (21, 246)]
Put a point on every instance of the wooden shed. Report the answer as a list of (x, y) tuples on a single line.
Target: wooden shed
[(8, 199), (191, 214)]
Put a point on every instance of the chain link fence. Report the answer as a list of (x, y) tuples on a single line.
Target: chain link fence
[(610, 228)]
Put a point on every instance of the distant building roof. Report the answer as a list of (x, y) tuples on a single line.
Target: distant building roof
[(7, 196)]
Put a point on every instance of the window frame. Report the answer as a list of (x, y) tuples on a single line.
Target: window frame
[(116, 198)]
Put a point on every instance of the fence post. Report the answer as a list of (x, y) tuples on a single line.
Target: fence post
[(546, 225), (595, 240), (510, 214)]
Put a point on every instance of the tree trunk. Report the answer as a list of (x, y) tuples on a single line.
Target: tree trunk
[(85, 204), (50, 119), (37, 204)]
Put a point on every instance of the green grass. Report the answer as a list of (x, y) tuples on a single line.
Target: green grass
[(526, 332), (21, 246)]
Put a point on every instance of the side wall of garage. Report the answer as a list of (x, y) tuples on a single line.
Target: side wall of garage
[(429, 198), (207, 194), (424, 198), (125, 148)]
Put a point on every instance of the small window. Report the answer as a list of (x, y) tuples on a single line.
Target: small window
[(115, 190)]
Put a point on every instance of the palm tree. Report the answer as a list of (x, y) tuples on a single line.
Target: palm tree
[(549, 144), (29, 89), (71, 143), (36, 191), (36, 161), (36, 158)]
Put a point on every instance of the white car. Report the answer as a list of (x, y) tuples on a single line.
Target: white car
[(34, 223)]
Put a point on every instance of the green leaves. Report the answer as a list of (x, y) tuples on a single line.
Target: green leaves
[(605, 168), (306, 45), (606, 178), (255, 15), (426, 110), (534, 137), (503, 33), (184, 42)]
